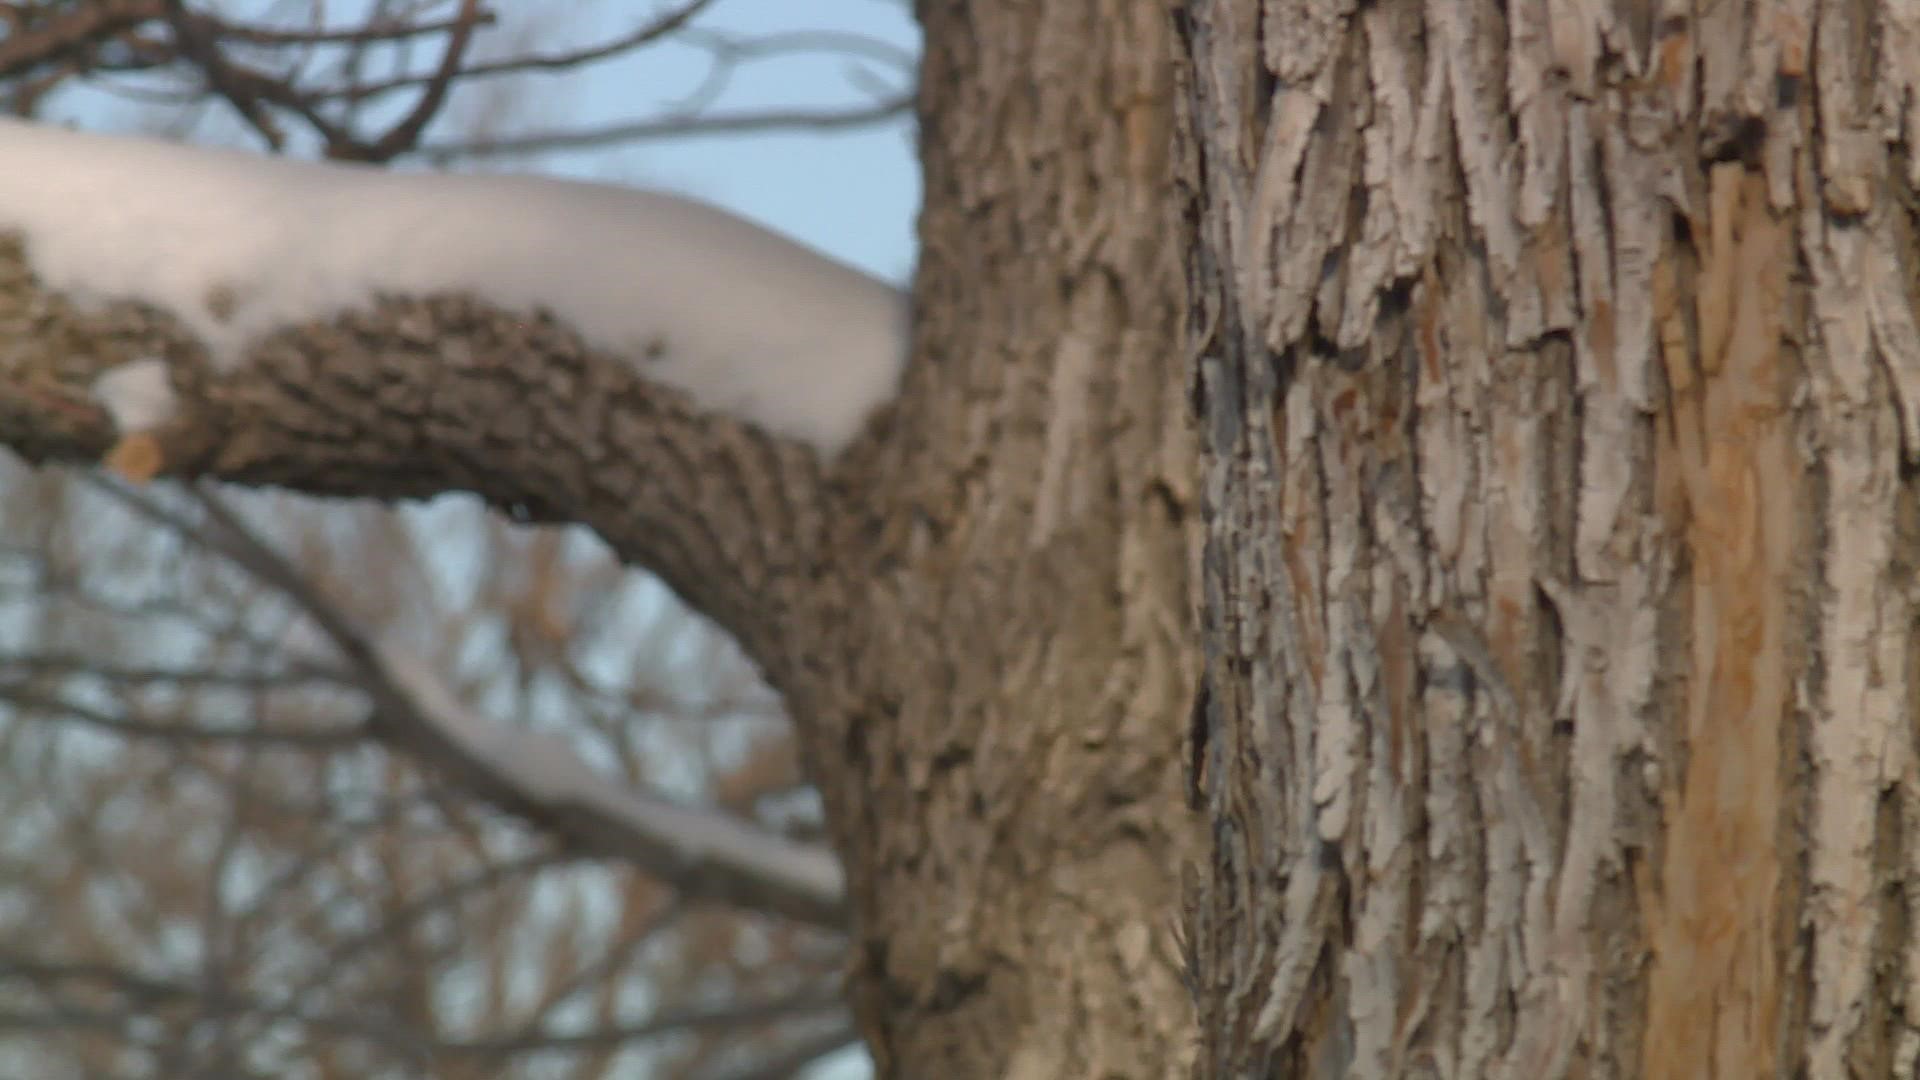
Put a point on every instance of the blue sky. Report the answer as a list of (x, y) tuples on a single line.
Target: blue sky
[(851, 195)]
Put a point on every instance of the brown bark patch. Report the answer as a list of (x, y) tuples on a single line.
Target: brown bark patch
[(1715, 984)]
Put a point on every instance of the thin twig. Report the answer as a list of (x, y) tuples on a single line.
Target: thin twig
[(785, 1064), (737, 123), (403, 135), (59, 709), (537, 776), (535, 62)]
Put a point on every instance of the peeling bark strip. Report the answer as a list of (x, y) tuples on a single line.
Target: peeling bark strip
[(1556, 366), (1726, 458)]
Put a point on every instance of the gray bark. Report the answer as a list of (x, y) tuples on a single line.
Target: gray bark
[(1558, 370)]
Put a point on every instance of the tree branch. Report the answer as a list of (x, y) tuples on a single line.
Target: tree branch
[(536, 775), (139, 992), (81, 27), (403, 135), (339, 330), (678, 127), (61, 709), (655, 29), (791, 1060)]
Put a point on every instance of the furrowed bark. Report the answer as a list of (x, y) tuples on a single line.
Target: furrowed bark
[(1557, 369)]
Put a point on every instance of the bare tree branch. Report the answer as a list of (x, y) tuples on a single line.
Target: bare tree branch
[(652, 31), (146, 992), (374, 30), (86, 26), (678, 127), (342, 954), (120, 36), (403, 135), (835, 42), (46, 664), (77, 28), (784, 1065), (60, 709), (809, 1003)]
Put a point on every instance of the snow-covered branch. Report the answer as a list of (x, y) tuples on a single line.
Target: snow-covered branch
[(665, 373), (236, 246), (537, 775), (700, 850)]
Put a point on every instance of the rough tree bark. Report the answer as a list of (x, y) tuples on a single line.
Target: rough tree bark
[(1559, 377), (979, 614), (1560, 398), (1003, 726)]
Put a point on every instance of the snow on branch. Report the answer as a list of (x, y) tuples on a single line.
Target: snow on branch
[(236, 246), (703, 851), (537, 775), (671, 377)]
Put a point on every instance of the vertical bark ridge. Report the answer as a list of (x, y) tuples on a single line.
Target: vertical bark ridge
[(1557, 367)]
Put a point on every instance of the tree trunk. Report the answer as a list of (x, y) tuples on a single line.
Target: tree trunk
[(979, 612), (999, 730), (1561, 397)]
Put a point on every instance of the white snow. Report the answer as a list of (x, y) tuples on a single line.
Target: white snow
[(544, 767), (746, 322), (137, 394)]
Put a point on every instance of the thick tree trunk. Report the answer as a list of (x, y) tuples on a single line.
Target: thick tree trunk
[(1559, 388), (1001, 723)]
